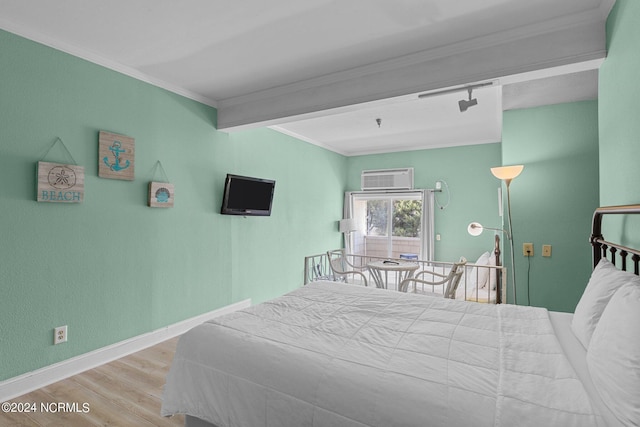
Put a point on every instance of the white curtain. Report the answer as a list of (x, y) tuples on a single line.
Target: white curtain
[(428, 225), (348, 214)]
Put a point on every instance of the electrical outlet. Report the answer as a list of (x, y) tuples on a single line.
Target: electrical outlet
[(60, 334), (527, 249), (546, 250)]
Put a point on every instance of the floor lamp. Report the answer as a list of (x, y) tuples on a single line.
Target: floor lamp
[(507, 174), (346, 226)]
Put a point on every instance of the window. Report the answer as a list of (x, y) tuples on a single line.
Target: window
[(391, 224)]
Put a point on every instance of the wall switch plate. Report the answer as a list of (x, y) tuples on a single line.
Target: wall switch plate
[(60, 334), (527, 249), (546, 250)]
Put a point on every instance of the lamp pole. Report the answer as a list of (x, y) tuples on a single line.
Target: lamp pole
[(513, 260)]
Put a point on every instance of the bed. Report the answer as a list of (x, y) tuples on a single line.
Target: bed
[(330, 354)]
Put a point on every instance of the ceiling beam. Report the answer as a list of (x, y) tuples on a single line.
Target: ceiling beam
[(514, 52)]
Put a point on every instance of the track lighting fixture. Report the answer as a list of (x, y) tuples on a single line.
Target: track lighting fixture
[(464, 104)]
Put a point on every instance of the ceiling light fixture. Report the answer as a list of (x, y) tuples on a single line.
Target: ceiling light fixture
[(379, 121), (463, 104)]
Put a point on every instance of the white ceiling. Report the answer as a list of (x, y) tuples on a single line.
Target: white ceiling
[(233, 54), (407, 123)]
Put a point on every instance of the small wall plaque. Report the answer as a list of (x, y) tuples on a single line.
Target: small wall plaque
[(116, 156), (161, 195), (59, 183)]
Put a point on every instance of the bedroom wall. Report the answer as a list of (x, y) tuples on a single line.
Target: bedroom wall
[(553, 199), (619, 91), (474, 194), (111, 268)]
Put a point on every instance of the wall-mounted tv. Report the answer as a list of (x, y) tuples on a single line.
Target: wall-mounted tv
[(247, 196)]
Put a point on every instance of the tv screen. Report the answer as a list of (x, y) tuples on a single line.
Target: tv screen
[(247, 196)]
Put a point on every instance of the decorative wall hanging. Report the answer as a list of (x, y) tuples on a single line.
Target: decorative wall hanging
[(116, 156), (161, 194), (58, 182)]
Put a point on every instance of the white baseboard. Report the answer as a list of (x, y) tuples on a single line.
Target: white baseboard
[(22, 384)]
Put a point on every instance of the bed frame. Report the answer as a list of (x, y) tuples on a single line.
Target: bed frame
[(499, 272), (603, 248)]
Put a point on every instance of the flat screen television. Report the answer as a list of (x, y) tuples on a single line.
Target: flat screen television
[(247, 196)]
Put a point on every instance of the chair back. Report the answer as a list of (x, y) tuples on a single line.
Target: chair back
[(337, 261), (454, 278), (341, 268)]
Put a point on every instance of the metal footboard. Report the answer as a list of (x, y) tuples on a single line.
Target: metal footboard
[(494, 278)]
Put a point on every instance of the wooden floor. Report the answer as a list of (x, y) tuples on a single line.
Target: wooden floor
[(126, 392)]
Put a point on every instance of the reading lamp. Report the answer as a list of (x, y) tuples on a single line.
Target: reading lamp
[(507, 174), (476, 229)]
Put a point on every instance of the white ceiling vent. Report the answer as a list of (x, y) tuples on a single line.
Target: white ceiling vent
[(387, 179)]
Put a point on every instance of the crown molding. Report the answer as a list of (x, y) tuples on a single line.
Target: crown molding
[(605, 7), (395, 149), (73, 50), (309, 140)]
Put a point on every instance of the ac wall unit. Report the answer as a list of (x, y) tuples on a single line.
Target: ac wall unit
[(387, 179)]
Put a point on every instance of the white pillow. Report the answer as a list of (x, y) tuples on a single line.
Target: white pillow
[(605, 280), (613, 356), (478, 276), (473, 277)]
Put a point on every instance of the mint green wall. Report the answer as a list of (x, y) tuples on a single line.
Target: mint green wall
[(554, 198), (619, 90), (112, 268), (474, 191), (269, 257)]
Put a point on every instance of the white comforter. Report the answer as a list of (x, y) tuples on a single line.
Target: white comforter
[(341, 355)]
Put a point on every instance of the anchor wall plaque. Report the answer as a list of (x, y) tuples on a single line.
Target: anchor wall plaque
[(116, 156)]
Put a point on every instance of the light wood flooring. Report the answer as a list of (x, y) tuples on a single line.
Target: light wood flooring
[(126, 392)]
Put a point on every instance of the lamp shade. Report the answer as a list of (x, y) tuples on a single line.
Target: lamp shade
[(507, 172), (347, 225), (475, 229)]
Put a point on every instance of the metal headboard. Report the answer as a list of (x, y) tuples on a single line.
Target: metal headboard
[(497, 252), (601, 247)]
